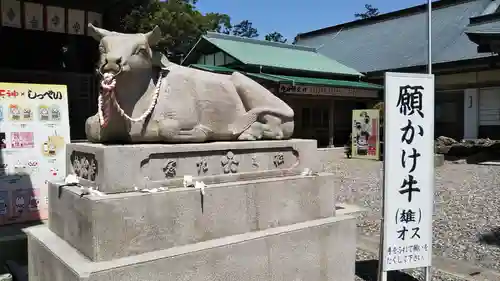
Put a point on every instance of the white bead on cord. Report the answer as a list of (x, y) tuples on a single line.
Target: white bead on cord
[(108, 77)]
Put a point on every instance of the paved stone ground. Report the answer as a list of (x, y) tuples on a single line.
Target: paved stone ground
[(467, 206)]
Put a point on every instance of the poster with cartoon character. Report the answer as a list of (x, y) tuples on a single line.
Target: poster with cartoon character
[(365, 134), (53, 145), (34, 131), (34, 201), (4, 204), (20, 198), (3, 140), (14, 112)]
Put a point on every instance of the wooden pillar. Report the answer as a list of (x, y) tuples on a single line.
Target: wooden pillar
[(331, 123)]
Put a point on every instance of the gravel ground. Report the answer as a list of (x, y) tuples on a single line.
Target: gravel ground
[(467, 206), (366, 271)]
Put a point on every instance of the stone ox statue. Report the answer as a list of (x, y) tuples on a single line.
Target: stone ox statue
[(182, 105)]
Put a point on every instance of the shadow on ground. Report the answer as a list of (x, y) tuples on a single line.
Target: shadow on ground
[(367, 270), (491, 238)]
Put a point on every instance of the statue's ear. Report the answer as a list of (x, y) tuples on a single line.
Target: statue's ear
[(98, 33), (154, 36)]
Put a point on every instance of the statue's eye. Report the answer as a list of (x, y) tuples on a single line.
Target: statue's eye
[(102, 50), (141, 51)]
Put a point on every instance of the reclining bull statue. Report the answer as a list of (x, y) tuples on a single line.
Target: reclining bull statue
[(182, 105)]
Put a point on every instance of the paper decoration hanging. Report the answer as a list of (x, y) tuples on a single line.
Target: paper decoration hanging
[(33, 16), (11, 13), (94, 18), (56, 18), (76, 22)]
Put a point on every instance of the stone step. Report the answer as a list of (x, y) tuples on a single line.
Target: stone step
[(13, 243), (314, 250), (119, 225)]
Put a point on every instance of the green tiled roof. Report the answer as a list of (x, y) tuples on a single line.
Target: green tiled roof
[(270, 54), (315, 81), (212, 68), (282, 79)]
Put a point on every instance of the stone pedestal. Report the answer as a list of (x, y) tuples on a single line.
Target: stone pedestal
[(264, 215)]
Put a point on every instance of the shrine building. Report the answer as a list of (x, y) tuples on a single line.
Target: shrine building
[(321, 91)]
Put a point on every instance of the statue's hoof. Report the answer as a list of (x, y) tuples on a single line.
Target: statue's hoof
[(247, 137)]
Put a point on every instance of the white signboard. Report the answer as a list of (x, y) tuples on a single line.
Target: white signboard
[(34, 130), (408, 170), (56, 18), (328, 91), (11, 13), (76, 22), (33, 16)]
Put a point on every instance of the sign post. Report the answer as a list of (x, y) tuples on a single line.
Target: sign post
[(406, 236)]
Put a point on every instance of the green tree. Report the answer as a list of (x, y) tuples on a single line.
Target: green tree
[(245, 29), (179, 20), (275, 37), (218, 22), (370, 11)]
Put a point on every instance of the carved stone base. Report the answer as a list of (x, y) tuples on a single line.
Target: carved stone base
[(262, 216), (122, 168)]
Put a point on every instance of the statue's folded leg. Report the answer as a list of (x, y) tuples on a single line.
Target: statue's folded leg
[(169, 130), (272, 130)]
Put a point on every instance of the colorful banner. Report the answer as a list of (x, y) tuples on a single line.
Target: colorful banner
[(365, 134), (34, 130)]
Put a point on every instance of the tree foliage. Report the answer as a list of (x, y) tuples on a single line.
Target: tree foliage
[(179, 20), (275, 37), (370, 11), (218, 22), (245, 29)]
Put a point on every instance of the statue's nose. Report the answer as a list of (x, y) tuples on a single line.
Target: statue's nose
[(114, 60)]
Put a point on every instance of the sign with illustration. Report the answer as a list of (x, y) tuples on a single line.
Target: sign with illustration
[(34, 130), (365, 134)]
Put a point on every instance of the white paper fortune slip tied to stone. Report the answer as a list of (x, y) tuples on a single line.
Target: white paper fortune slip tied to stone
[(408, 170)]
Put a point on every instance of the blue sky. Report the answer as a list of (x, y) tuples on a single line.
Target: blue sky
[(295, 16)]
